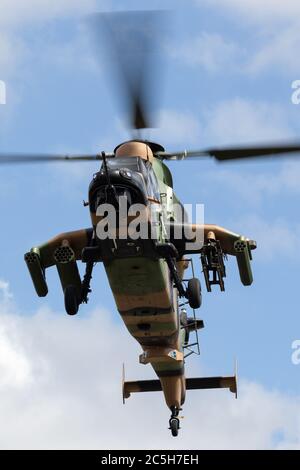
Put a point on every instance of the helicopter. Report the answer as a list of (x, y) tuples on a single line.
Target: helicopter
[(146, 274), (146, 252)]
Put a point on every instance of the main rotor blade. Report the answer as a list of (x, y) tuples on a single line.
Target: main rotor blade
[(131, 40), (13, 158), (234, 153)]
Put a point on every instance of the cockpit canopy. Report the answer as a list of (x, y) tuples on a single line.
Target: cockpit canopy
[(136, 164), (133, 177)]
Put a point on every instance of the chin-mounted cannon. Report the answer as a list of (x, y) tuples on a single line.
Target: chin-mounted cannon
[(212, 260)]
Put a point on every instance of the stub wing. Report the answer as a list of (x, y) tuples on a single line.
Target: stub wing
[(213, 242), (64, 251), (194, 383)]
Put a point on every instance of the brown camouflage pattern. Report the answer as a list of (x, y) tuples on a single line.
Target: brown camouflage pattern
[(144, 294)]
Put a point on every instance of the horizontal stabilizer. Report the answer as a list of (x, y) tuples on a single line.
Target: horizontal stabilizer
[(203, 383), (141, 386), (195, 383)]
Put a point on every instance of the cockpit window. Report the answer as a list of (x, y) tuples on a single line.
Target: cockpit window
[(131, 163), (151, 181), (139, 165)]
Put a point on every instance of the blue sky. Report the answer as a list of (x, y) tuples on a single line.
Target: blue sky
[(229, 67)]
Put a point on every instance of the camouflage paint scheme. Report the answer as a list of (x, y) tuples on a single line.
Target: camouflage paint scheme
[(143, 289)]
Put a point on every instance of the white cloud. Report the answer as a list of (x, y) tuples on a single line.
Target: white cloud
[(273, 37), (177, 127), (253, 185), (12, 52), (60, 388), (280, 50), (243, 121), (275, 238), (6, 295), (251, 190), (73, 54), (15, 12), (15, 369), (258, 191), (18, 55), (277, 49), (270, 11), (208, 50)]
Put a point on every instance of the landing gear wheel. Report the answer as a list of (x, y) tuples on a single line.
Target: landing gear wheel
[(174, 426), (71, 300), (194, 293)]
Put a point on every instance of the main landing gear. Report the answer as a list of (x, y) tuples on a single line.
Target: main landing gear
[(193, 291), (174, 424)]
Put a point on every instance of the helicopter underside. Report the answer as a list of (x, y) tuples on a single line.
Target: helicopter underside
[(147, 303)]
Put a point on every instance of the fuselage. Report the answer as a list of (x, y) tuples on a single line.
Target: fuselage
[(140, 281), (145, 272)]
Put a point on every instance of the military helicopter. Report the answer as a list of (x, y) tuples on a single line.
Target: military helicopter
[(146, 273)]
